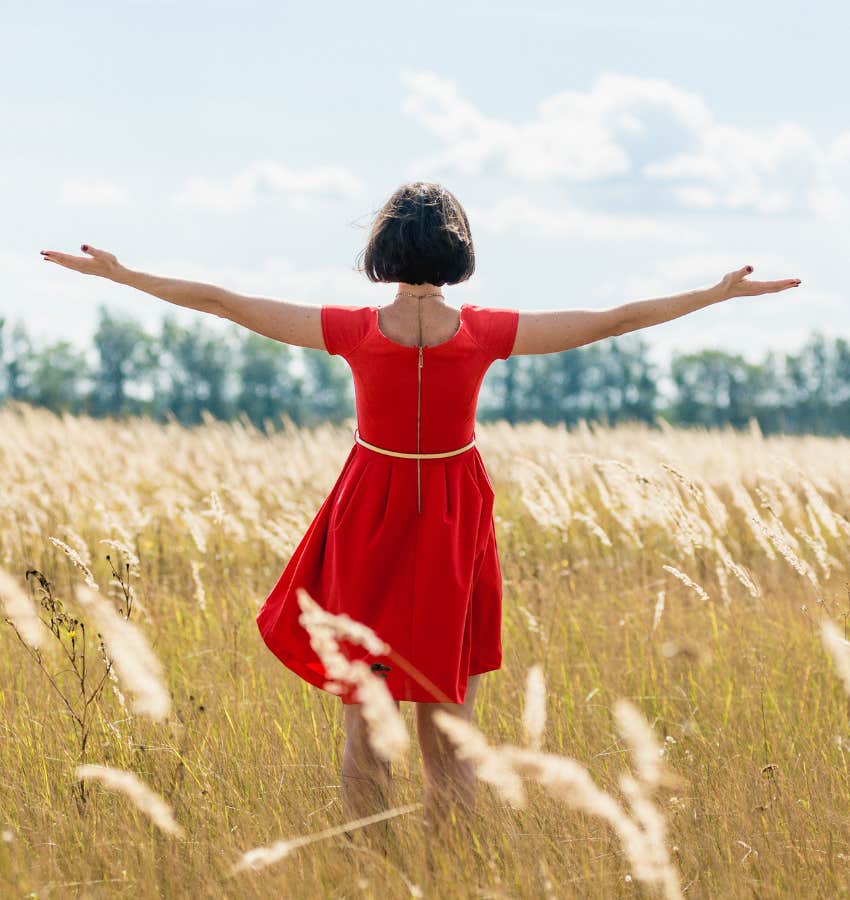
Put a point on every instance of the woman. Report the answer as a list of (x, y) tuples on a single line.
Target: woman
[(405, 540)]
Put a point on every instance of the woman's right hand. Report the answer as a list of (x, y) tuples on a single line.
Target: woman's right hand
[(99, 262)]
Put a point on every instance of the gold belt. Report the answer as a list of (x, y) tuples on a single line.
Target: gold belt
[(416, 456)]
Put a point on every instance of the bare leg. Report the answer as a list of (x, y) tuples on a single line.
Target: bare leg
[(450, 783), (366, 777)]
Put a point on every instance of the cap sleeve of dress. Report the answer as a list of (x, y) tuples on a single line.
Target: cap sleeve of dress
[(502, 331), (344, 327), (495, 330)]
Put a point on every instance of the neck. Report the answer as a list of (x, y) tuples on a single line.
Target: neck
[(420, 290)]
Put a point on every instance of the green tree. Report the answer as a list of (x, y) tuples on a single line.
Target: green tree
[(611, 380), (715, 388), (268, 387), (126, 357), (328, 387), (194, 372), (59, 373), (818, 389), (16, 352)]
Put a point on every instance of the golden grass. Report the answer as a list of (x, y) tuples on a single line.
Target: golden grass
[(610, 539)]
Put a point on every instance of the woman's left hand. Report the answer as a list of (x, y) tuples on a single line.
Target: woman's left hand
[(99, 262), (735, 284)]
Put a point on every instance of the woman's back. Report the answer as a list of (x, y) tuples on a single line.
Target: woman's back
[(389, 394)]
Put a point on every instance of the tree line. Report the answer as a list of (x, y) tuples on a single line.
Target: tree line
[(180, 372)]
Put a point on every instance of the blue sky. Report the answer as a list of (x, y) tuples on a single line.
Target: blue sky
[(604, 153)]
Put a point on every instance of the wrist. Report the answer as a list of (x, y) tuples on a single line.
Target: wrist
[(120, 274), (718, 293)]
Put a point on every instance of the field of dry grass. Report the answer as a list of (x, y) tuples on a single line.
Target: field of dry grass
[(686, 572)]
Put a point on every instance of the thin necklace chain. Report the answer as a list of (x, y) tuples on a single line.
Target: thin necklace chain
[(419, 389), (420, 296)]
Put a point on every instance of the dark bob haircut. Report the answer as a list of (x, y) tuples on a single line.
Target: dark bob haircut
[(419, 236)]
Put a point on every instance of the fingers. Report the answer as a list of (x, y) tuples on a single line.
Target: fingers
[(61, 258), (780, 285), (775, 285), (54, 255), (770, 287), (78, 263), (738, 274), (103, 256), (784, 284)]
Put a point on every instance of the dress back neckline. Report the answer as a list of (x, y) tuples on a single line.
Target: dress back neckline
[(461, 328)]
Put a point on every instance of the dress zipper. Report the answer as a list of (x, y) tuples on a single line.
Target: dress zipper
[(419, 417)]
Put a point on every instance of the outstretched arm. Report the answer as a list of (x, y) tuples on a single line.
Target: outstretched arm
[(291, 323), (551, 332)]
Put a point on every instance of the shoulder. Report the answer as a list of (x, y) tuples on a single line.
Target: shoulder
[(345, 326), (493, 327)]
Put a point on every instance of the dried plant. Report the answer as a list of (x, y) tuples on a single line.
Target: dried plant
[(687, 581), (123, 649), (21, 613), (129, 784), (76, 559), (839, 649), (260, 857), (387, 732), (534, 711), (642, 828), (135, 662), (69, 632)]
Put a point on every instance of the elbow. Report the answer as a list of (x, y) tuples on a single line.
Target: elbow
[(219, 309), (622, 321)]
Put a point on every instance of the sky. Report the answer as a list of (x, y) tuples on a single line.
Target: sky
[(604, 153)]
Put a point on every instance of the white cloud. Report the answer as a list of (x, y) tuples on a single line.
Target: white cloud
[(519, 214), (267, 178), (575, 135), (769, 172), (92, 193), (830, 203), (639, 130)]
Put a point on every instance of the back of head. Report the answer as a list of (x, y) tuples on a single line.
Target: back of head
[(419, 236)]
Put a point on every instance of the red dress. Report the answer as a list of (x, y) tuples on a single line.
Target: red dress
[(429, 582)]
